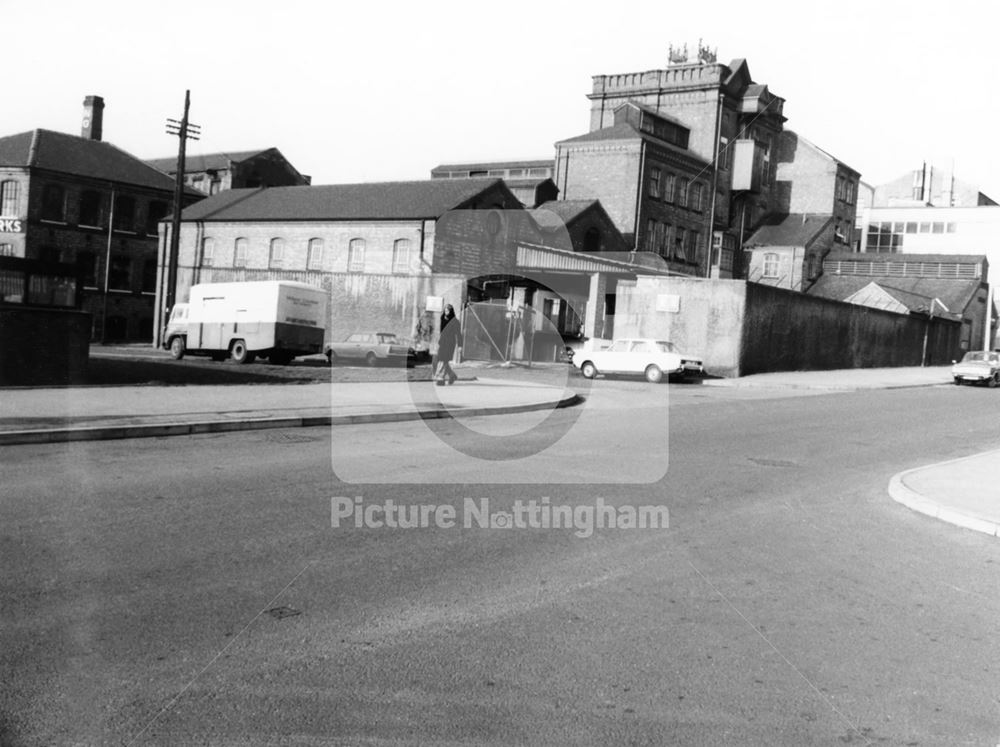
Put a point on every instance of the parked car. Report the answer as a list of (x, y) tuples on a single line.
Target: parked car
[(370, 348), (978, 367), (651, 358)]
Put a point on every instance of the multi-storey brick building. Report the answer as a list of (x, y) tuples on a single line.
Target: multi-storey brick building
[(80, 200), (653, 188), (733, 124), (816, 200)]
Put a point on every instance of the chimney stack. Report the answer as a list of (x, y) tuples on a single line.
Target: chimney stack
[(93, 118)]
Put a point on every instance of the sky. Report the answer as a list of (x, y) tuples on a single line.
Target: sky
[(374, 91)]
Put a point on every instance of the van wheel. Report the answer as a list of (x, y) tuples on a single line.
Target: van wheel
[(177, 348), (281, 359), (240, 353)]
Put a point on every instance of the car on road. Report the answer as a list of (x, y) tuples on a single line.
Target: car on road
[(978, 367), (654, 359), (370, 348)]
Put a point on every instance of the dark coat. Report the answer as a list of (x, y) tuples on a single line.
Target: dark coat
[(451, 337)]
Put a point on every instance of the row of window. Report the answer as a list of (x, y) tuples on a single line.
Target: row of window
[(279, 258), (119, 272), (668, 187), (672, 242), (93, 208), (887, 236)]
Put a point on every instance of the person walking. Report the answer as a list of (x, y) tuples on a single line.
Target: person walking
[(449, 339)]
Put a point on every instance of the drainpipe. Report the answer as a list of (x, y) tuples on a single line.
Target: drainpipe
[(639, 193), (711, 197), (107, 269)]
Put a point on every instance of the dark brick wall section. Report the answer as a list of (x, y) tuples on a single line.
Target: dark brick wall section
[(43, 346)]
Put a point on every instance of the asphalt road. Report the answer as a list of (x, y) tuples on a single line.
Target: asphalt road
[(192, 590)]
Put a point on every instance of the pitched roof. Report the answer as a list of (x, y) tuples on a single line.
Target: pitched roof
[(79, 156), (955, 294), (430, 198), (557, 213), (796, 229), (653, 112), (626, 131), (204, 162)]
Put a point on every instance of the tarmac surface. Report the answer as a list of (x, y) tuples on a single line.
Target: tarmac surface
[(964, 492)]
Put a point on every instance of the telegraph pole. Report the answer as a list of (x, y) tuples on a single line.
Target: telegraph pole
[(184, 131)]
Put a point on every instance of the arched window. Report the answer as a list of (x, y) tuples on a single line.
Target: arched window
[(207, 251), (770, 265), (356, 255), (276, 258), (314, 259), (401, 256), (240, 253), (9, 202)]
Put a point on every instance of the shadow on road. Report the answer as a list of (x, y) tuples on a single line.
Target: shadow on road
[(133, 371)]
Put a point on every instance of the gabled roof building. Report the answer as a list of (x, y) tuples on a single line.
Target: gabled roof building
[(943, 285), (78, 200), (215, 172)]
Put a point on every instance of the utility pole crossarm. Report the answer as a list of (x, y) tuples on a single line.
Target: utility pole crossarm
[(184, 131)]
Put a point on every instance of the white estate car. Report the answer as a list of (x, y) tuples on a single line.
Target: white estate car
[(653, 359)]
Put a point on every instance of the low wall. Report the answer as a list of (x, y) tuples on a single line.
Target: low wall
[(41, 346), (701, 317), (742, 328)]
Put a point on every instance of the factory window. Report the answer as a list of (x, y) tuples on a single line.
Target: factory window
[(401, 256), (696, 197), (9, 193), (240, 253), (277, 255), (682, 192), (668, 188), (207, 251), (90, 208), (124, 209), (654, 183), (314, 258), (120, 276), (53, 202), (86, 263), (770, 265), (356, 255), (6, 250)]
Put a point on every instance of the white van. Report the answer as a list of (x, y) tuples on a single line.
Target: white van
[(276, 319)]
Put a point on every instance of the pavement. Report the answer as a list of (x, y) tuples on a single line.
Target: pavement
[(964, 492)]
